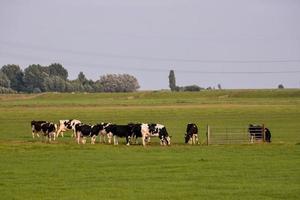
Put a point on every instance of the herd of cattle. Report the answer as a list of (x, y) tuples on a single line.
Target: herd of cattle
[(131, 132)]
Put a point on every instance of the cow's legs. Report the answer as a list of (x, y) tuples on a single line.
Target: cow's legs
[(74, 133), (196, 139), (162, 141), (104, 138), (93, 139), (51, 136), (134, 140), (57, 133), (78, 137), (33, 134), (128, 140), (116, 142), (144, 140), (109, 136), (100, 136)]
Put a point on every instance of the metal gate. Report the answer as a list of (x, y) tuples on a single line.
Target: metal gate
[(227, 135)]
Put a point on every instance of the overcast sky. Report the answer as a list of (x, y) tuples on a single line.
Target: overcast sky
[(206, 42)]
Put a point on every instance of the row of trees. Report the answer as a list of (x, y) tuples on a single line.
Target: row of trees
[(54, 78)]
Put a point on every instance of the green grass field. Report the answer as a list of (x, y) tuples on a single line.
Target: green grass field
[(34, 169)]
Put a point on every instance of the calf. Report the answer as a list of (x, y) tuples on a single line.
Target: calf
[(65, 125), (155, 130), (119, 131), (49, 130), (191, 133), (36, 128)]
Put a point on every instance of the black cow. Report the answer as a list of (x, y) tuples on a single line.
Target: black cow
[(191, 133), (267, 135), (49, 130), (36, 128), (120, 131)]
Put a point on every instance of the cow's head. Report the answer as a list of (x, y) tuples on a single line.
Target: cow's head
[(164, 136), (187, 138), (152, 128)]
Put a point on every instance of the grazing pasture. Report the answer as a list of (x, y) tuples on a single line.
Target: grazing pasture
[(34, 169)]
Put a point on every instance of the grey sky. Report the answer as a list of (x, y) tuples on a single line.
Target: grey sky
[(148, 38)]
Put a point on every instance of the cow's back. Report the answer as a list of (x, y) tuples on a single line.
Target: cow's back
[(37, 125)]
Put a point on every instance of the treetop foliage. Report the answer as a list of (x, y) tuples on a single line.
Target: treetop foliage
[(54, 78)]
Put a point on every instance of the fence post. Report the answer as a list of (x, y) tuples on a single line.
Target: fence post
[(263, 132), (207, 134)]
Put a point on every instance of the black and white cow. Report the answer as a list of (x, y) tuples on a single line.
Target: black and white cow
[(82, 132), (137, 132), (65, 125), (103, 132), (36, 128), (49, 130), (100, 129), (119, 131), (146, 131), (191, 134)]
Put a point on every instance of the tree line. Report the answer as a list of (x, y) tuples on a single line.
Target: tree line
[(188, 88), (54, 78)]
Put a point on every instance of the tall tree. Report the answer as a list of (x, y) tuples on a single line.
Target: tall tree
[(56, 69), (172, 80), (15, 75), (34, 78), (81, 78)]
